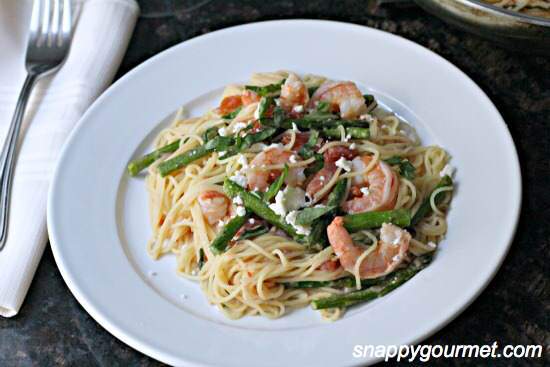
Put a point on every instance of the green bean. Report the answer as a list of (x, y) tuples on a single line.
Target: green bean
[(367, 220), (136, 166)]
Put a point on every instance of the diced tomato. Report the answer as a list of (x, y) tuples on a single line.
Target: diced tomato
[(330, 265), (335, 153), (230, 104)]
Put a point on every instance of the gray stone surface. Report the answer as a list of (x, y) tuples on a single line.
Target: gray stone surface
[(53, 329)]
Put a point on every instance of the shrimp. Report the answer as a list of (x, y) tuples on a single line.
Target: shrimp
[(389, 253), (378, 187), (324, 175), (214, 205), (259, 178), (293, 93), (249, 97), (344, 97)]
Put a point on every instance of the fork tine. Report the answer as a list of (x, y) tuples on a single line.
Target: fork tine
[(56, 19), (35, 21), (66, 21), (45, 26)]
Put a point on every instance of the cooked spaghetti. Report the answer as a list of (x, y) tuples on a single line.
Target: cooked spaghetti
[(295, 191), (537, 8)]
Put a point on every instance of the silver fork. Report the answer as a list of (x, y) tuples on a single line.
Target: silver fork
[(47, 46)]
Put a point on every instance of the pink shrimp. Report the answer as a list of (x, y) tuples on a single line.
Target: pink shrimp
[(259, 178), (389, 253), (378, 187), (293, 93), (344, 97), (214, 205)]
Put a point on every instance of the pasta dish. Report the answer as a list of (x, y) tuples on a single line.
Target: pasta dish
[(295, 191)]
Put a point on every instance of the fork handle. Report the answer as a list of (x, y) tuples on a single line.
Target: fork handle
[(7, 157)]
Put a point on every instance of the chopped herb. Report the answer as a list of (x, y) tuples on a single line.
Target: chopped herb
[(406, 169), (306, 151), (231, 115), (308, 215), (370, 102), (254, 232), (275, 187), (267, 90)]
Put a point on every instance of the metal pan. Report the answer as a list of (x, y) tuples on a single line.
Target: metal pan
[(513, 30)]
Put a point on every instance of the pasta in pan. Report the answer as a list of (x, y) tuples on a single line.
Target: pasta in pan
[(295, 191)]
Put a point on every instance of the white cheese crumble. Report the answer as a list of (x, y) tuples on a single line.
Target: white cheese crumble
[(347, 137), (298, 109), (237, 200), (278, 206), (292, 159), (239, 179), (252, 221), (344, 164), (221, 223), (448, 170), (353, 146), (431, 244), (222, 153), (240, 210), (291, 219), (242, 161), (277, 101), (223, 131), (239, 126), (322, 178), (295, 127), (364, 190)]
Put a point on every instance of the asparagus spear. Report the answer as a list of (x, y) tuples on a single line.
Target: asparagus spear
[(347, 282), (267, 90), (392, 282), (259, 207), (425, 207), (219, 143), (356, 222), (318, 235), (221, 241), (137, 165), (352, 132), (253, 233)]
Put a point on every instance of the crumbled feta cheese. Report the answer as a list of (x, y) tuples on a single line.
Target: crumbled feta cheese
[(298, 109), (223, 131), (239, 179), (292, 159), (277, 101), (344, 164), (295, 127), (291, 219), (252, 221), (237, 200), (239, 126), (364, 190), (278, 206), (221, 223), (241, 211), (222, 153), (294, 198), (320, 206), (448, 170), (347, 137), (353, 146), (322, 178), (431, 244), (242, 161)]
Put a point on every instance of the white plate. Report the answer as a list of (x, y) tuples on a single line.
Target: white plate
[(98, 219)]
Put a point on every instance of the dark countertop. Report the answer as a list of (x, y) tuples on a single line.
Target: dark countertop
[(53, 329)]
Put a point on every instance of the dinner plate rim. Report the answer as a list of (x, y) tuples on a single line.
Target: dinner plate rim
[(132, 340)]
